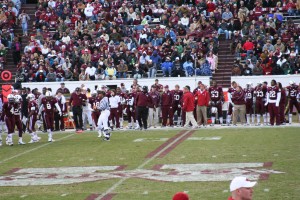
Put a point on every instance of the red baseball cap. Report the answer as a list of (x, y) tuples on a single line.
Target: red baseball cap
[(181, 196)]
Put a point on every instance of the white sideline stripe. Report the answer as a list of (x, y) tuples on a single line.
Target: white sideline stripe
[(34, 149), (113, 187)]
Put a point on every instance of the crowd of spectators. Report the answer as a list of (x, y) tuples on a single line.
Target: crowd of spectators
[(95, 40)]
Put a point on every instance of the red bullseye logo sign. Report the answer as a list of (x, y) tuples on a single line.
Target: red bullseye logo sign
[(166, 173), (6, 75)]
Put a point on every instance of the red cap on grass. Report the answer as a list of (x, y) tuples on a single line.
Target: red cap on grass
[(180, 196)]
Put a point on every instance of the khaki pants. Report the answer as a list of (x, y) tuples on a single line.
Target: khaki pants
[(201, 113), (239, 110), (190, 118), (153, 117)]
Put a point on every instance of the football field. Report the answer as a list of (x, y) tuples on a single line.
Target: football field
[(153, 164)]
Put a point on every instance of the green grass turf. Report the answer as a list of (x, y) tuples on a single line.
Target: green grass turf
[(277, 145)]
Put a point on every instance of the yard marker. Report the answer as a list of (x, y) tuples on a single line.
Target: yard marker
[(214, 156), (146, 193), (34, 149), (225, 191), (23, 196), (63, 195), (244, 155), (147, 161), (266, 190)]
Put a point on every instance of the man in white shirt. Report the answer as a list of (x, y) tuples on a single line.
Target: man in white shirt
[(86, 111), (185, 21), (114, 102), (90, 71)]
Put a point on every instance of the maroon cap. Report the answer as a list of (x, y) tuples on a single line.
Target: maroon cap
[(166, 86), (122, 84), (199, 82)]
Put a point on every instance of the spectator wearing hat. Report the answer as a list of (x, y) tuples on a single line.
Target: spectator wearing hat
[(110, 72), (137, 72), (188, 107), (167, 67), (241, 188), (180, 196), (177, 70), (144, 58), (122, 69), (86, 56)]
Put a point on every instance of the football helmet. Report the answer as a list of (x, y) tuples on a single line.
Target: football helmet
[(31, 97), (94, 93), (214, 110), (48, 94), (18, 98), (292, 82), (11, 98)]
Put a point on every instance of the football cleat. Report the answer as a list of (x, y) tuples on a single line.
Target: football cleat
[(100, 134), (129, 127), (32, 141), (50, 140), (21, 143), (106, 139), (0, 143)]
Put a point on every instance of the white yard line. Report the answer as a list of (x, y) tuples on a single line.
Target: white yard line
[(34, 149), (116, 185)]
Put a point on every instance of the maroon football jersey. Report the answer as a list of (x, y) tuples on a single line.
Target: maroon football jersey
[(216, 93), (260, 93), (167, 98), (292, 92), (249, 94), (91, 101), (49, 104), (129, 99), (33, 107), (8, 109), (273, 92), (177, 96), (17, 109)]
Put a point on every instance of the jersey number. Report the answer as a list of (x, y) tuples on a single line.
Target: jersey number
[(214, 94), (12, 110), (293, 93), (176, 97), (272, 94), (48, 106), (249, 95), (259, 94)]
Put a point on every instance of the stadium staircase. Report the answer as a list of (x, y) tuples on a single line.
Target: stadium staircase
[(9, 65), (225, 63)]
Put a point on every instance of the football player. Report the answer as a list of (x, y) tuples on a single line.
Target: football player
[(273, 100), (32, 118), (59, 120), (249, 91), (130, 108), (17, 114), (231, 90), (282, 104), (9, 118), (267, 114), (154, 106), (260, 95), (176, 107), (121, 105), (216, 101), (95, 112), (103, 119), (292, 93), (48, 104)]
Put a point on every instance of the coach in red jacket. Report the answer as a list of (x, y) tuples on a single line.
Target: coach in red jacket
[(188, 107), (202, 98)]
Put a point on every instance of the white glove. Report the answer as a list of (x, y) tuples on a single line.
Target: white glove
[(277, 105), (60, 113), (179, 106), (130, 109), (266, 103), (171, 107)]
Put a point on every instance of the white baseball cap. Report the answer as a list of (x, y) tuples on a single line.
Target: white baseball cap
[(241, 182)]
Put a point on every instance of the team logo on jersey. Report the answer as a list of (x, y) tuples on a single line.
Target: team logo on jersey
[(167, 173)]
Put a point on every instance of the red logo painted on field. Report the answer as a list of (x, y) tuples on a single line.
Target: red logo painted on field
[(167, 173)]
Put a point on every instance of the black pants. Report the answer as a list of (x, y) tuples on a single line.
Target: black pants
[(44, 121), (77, 116), (142, 116), (58, 119)]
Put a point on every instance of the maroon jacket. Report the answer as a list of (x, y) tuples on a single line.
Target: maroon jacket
[(155, 99), (143, 99), (77, 100), (167, 99), (238, 98)]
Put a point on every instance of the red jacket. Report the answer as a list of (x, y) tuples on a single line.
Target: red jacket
[(202, 98), (188, 102)]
